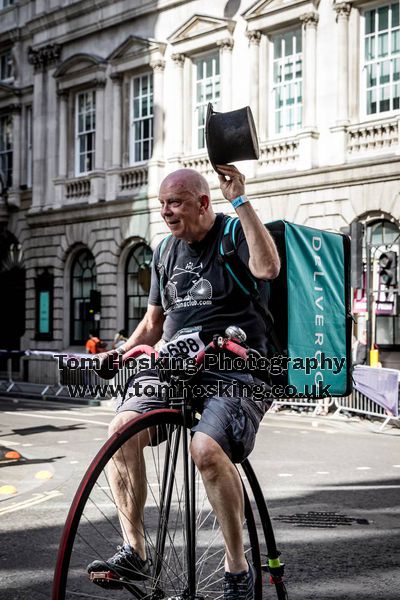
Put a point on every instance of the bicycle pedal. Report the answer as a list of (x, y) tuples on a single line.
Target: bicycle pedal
[(106, 579)]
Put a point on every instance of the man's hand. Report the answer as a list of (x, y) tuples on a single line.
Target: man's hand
[(108, 364), (231, 181)]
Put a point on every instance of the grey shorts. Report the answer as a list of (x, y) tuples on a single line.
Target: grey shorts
[(230, 409)]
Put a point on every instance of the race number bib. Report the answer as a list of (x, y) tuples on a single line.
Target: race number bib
[(186, 342)]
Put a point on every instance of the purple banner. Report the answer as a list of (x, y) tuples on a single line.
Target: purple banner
[(380, 385)]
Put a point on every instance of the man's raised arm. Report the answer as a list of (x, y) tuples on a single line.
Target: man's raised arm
[(264, 262)]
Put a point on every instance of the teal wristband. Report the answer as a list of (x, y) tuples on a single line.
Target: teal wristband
[(239, 201)]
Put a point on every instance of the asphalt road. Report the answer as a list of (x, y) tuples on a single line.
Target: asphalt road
[(345, 472)]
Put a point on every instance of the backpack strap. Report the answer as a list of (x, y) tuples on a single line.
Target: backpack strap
[(165, 249), (243, 278), (237, 270)]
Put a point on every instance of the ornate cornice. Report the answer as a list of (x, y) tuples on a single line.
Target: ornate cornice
[(178, 59), (158, 65), (116, 78), (310, 19), (342, 9), (99, 83), (254, 37), (42, 58), (226, 44)]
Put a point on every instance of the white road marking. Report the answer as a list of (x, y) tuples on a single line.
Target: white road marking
[(333, 488), (35, 416), (304, 432), (36, 499), (363, 468), (285, 474), (74, 462), (63, 442), (77, 413), (7, 443), (322, 472), (396, 466), (26, 445)]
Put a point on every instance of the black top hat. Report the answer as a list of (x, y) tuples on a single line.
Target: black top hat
[(231, 136)]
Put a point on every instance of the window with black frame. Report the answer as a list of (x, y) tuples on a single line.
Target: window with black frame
[(137, 284), (384, 237), (6, 148), (83, 280)]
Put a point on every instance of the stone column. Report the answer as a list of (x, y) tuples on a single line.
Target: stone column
[(254, 83), (226, 46), (42, 58), (14, 193), (158, 67), (116, 121), (339, 130), (99, 144), (310, 21), (308, 137), (342, 85), (177, 109), (62, 138), (97, 181), (39, 137), (156, 163)]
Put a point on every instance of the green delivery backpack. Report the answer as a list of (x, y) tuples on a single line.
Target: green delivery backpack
[(306, 308), (310, 304)]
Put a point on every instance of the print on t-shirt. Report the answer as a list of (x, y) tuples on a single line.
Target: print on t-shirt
[(187, 288)]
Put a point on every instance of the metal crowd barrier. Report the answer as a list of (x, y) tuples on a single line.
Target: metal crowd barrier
[(360, 404), (89, 383), (85, 383), (318, 406)]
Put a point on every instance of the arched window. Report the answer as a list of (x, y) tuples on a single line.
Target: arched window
[(137, 284), (384, 237), (83, 280)]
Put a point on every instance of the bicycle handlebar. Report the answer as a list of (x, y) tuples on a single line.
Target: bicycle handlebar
[(219, 343)]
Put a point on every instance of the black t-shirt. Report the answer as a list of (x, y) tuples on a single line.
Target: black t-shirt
[(198, 291)]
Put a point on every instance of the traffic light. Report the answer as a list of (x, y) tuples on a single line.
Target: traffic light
[(94, 302), (388, 268)]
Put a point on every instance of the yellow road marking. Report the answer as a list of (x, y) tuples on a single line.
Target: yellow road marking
[(8, 489), (44, 475)]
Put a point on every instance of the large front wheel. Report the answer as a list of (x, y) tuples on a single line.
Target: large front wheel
[(92, 530)]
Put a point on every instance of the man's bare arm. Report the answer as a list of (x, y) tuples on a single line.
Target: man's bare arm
[(149, 330), (264, 262)]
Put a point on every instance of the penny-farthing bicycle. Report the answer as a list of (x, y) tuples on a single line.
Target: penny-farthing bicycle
[(183, 540)]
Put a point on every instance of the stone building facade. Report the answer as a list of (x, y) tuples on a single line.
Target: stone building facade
[(99, 100)]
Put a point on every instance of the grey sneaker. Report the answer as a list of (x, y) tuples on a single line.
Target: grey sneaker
[(125, 565), (239, 586)]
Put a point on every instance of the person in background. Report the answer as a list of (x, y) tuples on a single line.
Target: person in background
[(92, 343), (119, 339), (360, 350)]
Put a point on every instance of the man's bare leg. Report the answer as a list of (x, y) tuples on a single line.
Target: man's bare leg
[(225, 493), (127, 478)]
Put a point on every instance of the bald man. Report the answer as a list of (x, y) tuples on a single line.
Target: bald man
[(193, 292)]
